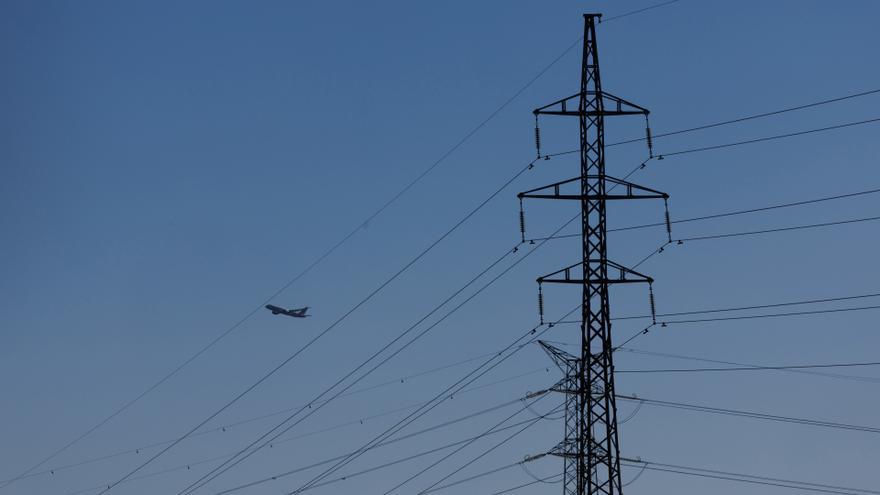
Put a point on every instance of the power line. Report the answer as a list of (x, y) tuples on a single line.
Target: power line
[(712, 474), (245, 392), (756, 306), (751, 117), (646, 258), (302, 273), (435, 427), (527, 423), (867, 379), (727, 477), (779, 229), (730, 213), (743, 308), (639, 11), (529, 166), (693, 471), (771, 315), (361, 420), (538, 479), (497, 429), (750, 414), (749, 478), (224, 427), (697, 472), (223, 468), (426, 173), (733, 121), (456, 388), (530, 483), (374, 468), (742, 234), (345, 239), (406, 421), (708, 148), (752, 368), (769, 138), (476, 476), (645, 331), (336, 323), (486, 452), (532, 334), (220, 428), (741, 317), (465, 445), (314, 402), (750, 210)]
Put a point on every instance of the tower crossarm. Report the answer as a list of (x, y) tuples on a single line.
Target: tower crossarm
[(611, 105), (557, 190), (569, 385), (566, 275), (561, 358), (568, 449)]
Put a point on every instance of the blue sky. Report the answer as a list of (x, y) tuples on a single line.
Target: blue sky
[(166, 167)]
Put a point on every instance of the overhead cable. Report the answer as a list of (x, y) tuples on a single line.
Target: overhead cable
[(749, 414), (301, 274), (250, 450)]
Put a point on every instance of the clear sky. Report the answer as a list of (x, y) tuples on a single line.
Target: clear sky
[(166, 166)]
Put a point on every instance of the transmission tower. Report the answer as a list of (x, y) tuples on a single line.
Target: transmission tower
[(591, 449)]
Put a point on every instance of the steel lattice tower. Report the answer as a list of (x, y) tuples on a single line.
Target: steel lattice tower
[(591, 448)]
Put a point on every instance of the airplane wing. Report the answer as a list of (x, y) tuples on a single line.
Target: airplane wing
[(277, 310)]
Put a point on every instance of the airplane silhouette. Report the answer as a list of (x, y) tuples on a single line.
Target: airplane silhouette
[(296, 313)]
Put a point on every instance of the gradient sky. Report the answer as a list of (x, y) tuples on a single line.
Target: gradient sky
[(166, 166)]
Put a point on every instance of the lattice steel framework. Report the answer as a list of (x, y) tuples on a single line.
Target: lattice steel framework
[(591, 445), (569, 385)]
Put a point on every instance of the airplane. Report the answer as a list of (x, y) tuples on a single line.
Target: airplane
[(296, 313)]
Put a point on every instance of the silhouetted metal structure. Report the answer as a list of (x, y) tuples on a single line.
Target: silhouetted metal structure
[(591, 447)]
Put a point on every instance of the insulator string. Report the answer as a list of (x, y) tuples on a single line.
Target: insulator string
[(540, 303), (668, 221), (537, 137)]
